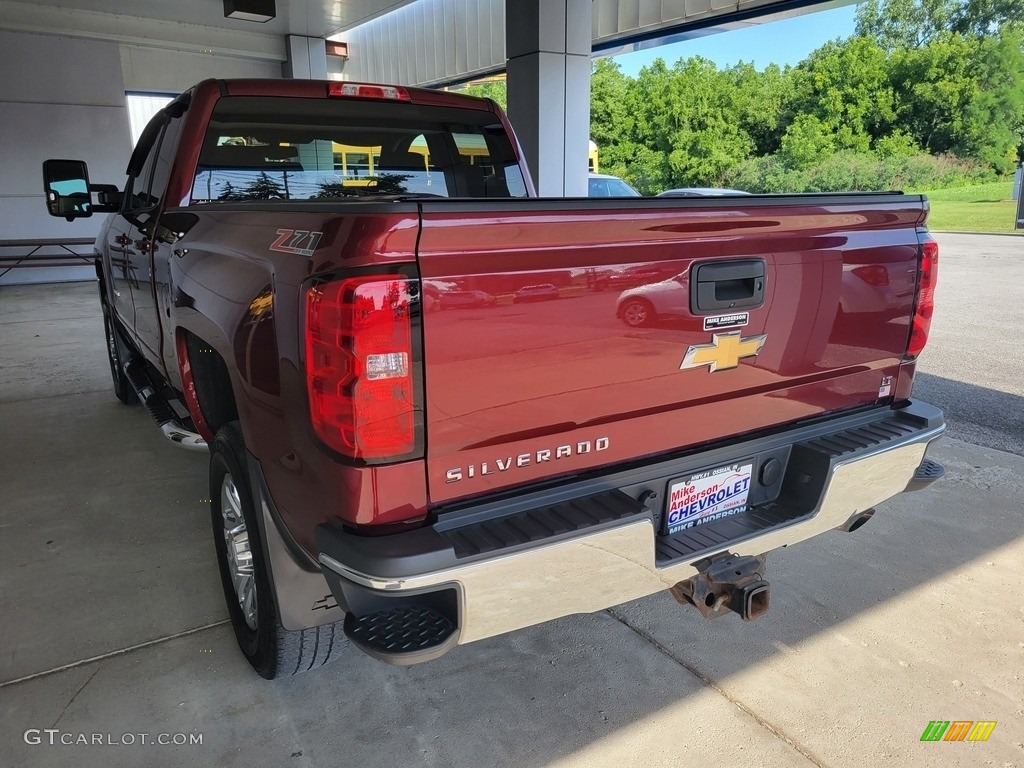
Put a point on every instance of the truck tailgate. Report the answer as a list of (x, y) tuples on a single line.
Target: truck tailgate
[(532, 370)]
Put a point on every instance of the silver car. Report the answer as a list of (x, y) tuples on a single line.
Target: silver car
[(646, 303)]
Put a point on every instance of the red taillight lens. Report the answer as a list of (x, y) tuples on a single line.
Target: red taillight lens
[(359, 366), (361, 91), (924, 305)]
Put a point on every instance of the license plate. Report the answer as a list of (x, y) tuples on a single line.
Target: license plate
[(707, 496)]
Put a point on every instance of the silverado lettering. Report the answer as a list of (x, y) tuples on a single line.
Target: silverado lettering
[(456, 474), (340, 291)]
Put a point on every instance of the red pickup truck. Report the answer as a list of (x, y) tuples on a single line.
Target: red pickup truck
[(429, 418)]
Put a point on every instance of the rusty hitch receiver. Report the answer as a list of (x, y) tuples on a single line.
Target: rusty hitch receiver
[(726, 582)]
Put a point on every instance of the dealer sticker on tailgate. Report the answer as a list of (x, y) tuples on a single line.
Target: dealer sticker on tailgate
[(707, 496)]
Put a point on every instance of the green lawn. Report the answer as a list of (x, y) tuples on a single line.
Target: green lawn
[(976, 208)]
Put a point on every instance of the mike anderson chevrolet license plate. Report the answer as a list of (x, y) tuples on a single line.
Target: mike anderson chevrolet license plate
[(707, 496)]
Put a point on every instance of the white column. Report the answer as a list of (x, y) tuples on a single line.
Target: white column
[(307, 58), (548, 48)]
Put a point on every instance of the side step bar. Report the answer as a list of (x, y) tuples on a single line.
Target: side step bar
[(158, 407)]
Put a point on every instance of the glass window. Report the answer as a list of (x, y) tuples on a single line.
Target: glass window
[(164, 160), (269, 148)]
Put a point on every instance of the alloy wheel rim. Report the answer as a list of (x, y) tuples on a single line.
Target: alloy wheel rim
[(636, 314), (236, 541)]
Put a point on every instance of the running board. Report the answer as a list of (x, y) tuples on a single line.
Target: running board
[(158, 408)]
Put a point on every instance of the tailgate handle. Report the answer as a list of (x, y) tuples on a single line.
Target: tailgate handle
[(728, 285)]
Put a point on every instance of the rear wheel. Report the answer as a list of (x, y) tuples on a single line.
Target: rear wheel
[(116, 356), (272, 650), (637, 313)]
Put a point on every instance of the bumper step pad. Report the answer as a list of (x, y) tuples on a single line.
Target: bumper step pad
[(928, 473), (404, 635)]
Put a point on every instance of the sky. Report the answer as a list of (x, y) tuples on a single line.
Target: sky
[(779, 42)]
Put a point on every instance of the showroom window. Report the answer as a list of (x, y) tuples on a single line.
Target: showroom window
[(142, 107)]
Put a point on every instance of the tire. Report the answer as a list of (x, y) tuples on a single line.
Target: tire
[(272, 650), (117, 352), (637, 313)]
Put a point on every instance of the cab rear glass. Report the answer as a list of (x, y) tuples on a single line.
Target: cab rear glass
[(284, 149)]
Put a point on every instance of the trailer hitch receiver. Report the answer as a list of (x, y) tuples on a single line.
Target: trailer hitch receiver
[(726, 582)]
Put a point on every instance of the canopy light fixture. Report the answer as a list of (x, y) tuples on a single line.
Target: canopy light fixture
[(250, 10)]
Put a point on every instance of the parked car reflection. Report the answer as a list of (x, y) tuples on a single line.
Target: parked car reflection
[(644, 304), (541, 292), (466, 299), (701, 192)]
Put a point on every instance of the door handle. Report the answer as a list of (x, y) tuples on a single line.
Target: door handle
[(727, 285)]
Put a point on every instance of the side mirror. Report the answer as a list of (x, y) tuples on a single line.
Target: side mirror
[(66, 185)]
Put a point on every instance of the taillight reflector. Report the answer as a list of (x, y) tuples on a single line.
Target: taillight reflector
[(359, 366), (361, 91), (924, 305)]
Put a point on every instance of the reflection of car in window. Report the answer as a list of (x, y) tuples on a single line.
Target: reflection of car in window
[(601, 185)]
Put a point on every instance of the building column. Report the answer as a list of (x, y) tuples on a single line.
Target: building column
[(307, 58), (548, 47)]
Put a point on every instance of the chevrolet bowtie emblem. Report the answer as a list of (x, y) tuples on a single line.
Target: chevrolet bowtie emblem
[(725, 351)]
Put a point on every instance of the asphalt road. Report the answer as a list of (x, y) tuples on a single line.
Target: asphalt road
[(973, 367)]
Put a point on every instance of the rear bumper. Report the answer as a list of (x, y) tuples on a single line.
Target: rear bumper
[(613, 552)]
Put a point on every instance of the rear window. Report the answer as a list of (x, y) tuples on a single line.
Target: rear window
[(281, 149)]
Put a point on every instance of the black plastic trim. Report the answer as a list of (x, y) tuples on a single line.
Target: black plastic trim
[(929, 473)]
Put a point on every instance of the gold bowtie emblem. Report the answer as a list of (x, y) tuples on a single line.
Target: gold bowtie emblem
[(725, 351)]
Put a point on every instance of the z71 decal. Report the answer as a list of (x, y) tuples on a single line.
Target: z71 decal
[(298, 241)]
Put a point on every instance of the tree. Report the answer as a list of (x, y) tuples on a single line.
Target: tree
[(896, 24), (230, 193), (899, 24), (264, 188), (964, 95), (762, 103), (496, 91), (847, 86)]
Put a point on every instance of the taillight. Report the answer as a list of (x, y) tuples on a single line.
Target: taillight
[(924, 304), (361, 91), (359, 366)]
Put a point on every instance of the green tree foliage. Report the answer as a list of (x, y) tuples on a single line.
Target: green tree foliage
[(496, 91), (926, 92), (846, 85)]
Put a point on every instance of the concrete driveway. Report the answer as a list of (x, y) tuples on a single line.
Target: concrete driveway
[(112, 624)]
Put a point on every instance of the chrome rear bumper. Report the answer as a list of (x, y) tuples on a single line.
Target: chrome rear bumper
[(594, 571)]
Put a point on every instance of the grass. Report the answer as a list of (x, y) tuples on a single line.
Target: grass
[(976, 208)]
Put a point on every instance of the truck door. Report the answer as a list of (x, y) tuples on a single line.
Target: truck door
[(131, 235), (161, 244)]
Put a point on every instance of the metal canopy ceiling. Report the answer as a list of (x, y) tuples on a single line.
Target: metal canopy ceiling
[(313, 18), (154, 21)]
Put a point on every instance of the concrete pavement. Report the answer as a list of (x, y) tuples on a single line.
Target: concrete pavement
[(110, 612)]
